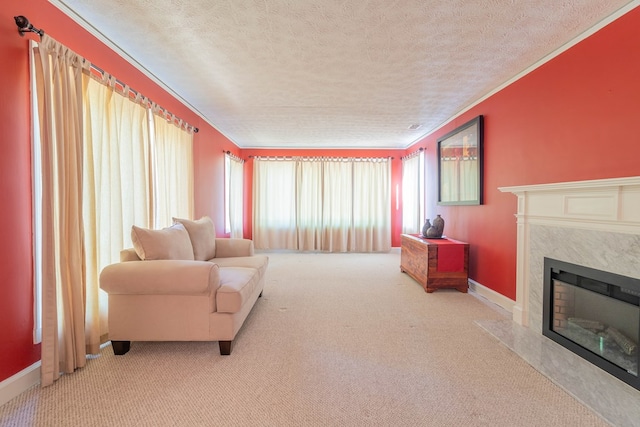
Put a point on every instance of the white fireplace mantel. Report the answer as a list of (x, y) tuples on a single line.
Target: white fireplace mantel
[(607, 205)]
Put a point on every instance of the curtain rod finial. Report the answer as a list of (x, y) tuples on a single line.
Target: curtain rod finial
[(24, 26)]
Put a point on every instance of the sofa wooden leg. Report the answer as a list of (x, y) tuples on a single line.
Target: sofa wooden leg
[(120, 347), (225, 347)]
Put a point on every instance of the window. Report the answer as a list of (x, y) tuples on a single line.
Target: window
[(120, 186), (36, 205), (227, 192), (233, 195), (413, 186), (326, 204)]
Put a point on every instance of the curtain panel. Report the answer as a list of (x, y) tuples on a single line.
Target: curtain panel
[(372, 206), (274, 204), (172, 174), (461, 176), (326, 204), (103, 164), (235, 195), (413, 193), (58, 73), (117, 188)]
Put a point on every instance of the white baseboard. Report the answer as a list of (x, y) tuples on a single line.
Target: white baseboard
[(492, 296), (20, 382)]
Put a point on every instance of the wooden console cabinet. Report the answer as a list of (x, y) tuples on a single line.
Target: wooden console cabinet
[(435, 263)]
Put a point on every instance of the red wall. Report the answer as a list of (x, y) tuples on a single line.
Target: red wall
[(574, 118), (17, 350), (571, 119), (16, 292), (208, 162)]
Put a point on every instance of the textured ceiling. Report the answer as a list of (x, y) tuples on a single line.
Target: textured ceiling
[(335, 73)]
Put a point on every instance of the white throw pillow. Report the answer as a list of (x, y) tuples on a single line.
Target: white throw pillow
[(169, 243), (203, 237)]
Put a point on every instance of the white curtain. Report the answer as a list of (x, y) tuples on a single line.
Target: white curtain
[(450, 187), (413, 193), (337, 206), (235, 195), (325, 204), (116, 175), (372, 206), (460, 181), (469, 180), (59, 94), (97, 178), (308, 220), (274, 204), (172, 172)]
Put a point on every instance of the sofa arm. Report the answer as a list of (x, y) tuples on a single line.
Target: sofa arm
[(227, 248), (160, 277)]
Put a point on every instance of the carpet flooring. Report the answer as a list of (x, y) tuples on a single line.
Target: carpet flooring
[(336, 340)]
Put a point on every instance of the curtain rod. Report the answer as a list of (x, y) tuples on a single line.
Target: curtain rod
[(154, 106), (408, 156), (233, 156), (319, 158), (24, 26)]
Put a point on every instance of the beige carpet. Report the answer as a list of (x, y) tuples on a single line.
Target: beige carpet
[(336, 340)]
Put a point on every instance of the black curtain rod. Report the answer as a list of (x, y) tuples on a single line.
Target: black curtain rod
[(24, 26), (233, 156), (135, 92), (421, 149), (319, 157)]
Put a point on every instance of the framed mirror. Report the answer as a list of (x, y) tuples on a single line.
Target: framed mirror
[(460, 165)]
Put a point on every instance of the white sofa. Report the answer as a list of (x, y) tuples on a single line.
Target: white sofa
[(182, 284)]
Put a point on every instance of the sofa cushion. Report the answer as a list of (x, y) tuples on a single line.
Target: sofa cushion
[(203, 237), (169, 243), (129, 254), (236, 287), (259, 262)]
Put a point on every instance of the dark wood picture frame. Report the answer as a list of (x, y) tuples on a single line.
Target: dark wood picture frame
[(460, 164)]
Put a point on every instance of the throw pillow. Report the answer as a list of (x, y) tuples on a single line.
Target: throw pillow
[(203, 237), (169, 243)]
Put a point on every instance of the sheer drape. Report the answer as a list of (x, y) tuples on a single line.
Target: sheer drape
[(332, 205), (372, 206), (309, 215), (450, 187), (337, 206), (59, 85), (235, 199), (173, 173), (117, 187), (412, 193), (96, 176), (274, 204), (469, 180), (461, 179)]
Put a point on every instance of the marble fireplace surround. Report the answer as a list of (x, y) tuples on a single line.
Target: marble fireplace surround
[(593, 223)]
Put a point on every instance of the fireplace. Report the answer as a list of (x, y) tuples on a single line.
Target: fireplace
[(595, 314), (593, 224)]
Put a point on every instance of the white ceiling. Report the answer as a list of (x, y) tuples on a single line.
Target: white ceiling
[(336, 73)]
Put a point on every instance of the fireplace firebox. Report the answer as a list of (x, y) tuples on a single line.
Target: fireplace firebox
[(595, 314)]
